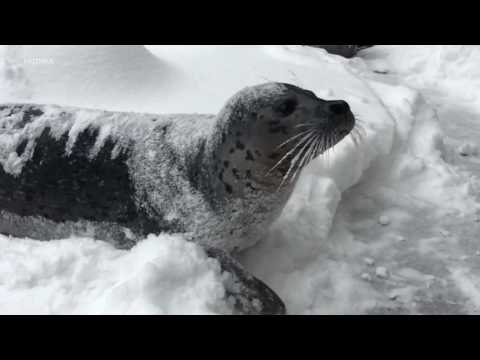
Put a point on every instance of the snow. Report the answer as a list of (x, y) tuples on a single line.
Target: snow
[(387, 225), (381, 272), (81, 276), (384, 220), (60, 120)]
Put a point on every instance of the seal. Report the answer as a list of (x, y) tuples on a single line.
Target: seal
[(347, 51), (219, 180)]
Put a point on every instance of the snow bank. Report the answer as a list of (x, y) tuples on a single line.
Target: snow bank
[(162, 79), (162, 275), (452, 67), (381, 198), (106, 77)]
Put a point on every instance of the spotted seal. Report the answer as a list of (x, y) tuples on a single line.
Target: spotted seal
[(347, 51), (219, 180)]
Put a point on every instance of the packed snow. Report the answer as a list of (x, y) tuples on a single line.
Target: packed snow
[(387, 225)]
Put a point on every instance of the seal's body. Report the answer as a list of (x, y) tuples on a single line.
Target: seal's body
[(70, 171), (119, 177), (221, 180)]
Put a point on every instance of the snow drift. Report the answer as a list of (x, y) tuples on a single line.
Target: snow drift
[(81, 276)]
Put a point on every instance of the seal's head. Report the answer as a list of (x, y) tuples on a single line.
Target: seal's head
[(268, 133)]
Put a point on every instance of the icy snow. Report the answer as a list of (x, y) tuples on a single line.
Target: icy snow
[(419, 110)]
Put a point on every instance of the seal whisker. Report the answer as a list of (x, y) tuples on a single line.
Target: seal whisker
[(324, 149), (333, 143), (320, 146), (358, 139), (358, 135), (303, 161), (302, 155), (313, 150), (317, 146), (294, 161), (324, 144), (358, 117), (311, 156), (354, 139), (306, 125), (359, 123), (292, 138), (360, 128), (301, 142), (297, 157), (328, 150), (351, 136)]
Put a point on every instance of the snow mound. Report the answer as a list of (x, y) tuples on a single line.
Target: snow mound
[(107, 77), (161, 275), (453, 67)]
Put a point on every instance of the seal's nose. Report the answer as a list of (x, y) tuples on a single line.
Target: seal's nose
[(335, 116), (338, 107), (341, 117)]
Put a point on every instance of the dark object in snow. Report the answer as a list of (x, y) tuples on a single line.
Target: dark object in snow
[(245, 289), (347, 51), (220, 180)]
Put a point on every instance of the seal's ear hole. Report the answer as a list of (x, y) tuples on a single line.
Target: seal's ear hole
[(287, 107)]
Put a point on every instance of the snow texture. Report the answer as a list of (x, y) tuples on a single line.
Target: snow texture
[(386, 226)]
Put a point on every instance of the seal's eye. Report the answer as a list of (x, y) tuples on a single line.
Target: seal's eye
[(287, 107)]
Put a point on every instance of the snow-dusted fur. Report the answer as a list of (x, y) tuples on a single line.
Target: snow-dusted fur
[(172, 173)]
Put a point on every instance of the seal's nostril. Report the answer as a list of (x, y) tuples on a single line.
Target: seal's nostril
[(338, 107)]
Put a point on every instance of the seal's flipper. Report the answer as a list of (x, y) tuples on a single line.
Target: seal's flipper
[(251, 296)]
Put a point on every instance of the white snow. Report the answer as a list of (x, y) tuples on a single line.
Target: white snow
[(419, 110), (384, 220), (81, 276), (381, 272)]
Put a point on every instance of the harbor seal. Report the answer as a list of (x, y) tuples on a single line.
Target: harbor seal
[(347, 51), (219, 180)]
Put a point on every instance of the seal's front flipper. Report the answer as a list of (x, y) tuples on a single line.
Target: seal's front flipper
[(252, 296)]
